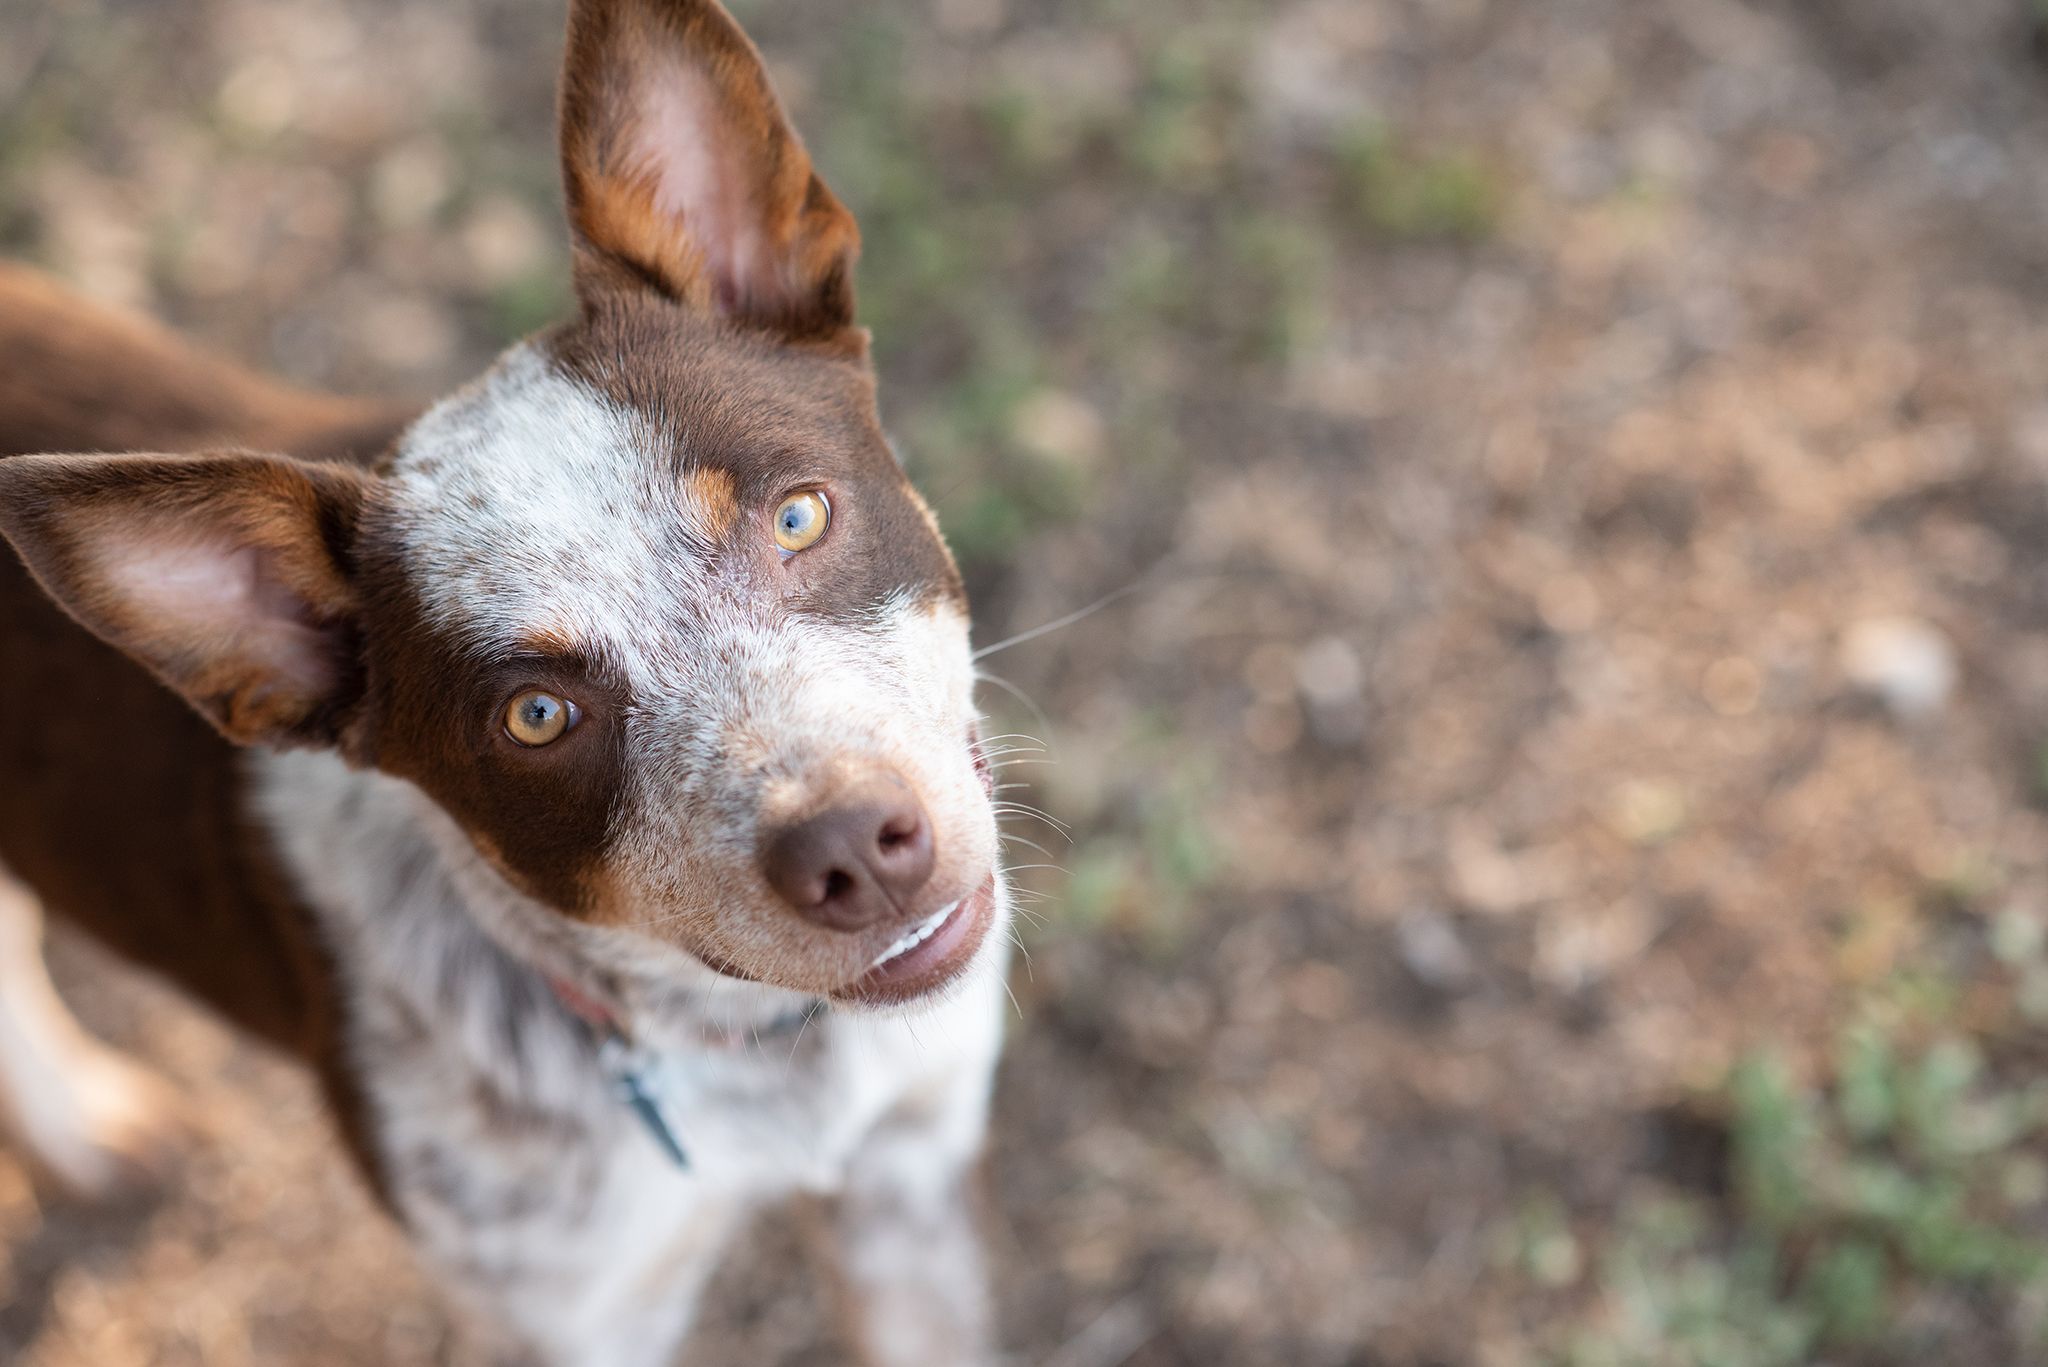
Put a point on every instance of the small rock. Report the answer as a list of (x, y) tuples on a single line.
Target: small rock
[(408, 186), (1332, 682), (406, 334), (261, 96), (1060, 426), (1330, 672), (1906, 662), (1646, 811), (1431, 950), (1485, 878), (504, 240), (1733, 685)]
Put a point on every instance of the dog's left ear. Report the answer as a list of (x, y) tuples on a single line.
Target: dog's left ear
[(683, 174), (229, 576)]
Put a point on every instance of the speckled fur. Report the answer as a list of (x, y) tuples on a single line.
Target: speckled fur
[(540, 1202)]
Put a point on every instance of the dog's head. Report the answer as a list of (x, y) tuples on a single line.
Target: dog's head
[(650, 610)]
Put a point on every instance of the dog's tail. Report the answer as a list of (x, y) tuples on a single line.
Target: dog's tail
[(77, 376)]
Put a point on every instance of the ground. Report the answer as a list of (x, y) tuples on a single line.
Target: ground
[(1560, 815)]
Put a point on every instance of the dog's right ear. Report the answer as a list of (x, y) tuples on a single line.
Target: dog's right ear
[(683, 175), (230, 576)]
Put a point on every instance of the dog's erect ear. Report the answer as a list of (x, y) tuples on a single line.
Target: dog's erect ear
[(229, 576), (683, 174)]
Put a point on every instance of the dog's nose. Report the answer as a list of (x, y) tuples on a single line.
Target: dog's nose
[(857, 862)]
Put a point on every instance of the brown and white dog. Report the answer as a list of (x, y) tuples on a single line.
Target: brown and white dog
[(581, 775)]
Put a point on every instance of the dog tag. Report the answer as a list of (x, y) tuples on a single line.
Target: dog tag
[(635, 1082)]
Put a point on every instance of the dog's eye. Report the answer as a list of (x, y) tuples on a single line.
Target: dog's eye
[(539, 718), (801, 520)]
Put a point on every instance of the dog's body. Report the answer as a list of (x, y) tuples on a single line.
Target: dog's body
[(535, 745)]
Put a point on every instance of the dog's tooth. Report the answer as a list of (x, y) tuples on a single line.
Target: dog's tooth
[(918, 934)]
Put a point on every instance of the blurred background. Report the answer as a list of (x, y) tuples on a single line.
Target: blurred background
[(1559, 857)]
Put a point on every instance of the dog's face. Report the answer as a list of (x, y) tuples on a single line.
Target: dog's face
[(660, 622), (651, 610)]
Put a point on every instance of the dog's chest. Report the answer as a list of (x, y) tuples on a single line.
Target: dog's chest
[(500, 1140), (754, 1122), (785, 1112), (577, 1200)]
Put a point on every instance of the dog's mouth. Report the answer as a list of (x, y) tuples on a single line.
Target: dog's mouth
[(929, 954), (933, 951), (917, 935)]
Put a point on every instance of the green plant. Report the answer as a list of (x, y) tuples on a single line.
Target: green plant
[(1406, 194), (1908, 1174)]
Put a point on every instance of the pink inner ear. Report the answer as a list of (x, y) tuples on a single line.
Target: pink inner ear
[(223, 599), (701, 179)]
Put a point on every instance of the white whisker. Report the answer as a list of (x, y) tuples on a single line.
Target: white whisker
[(1058, 623), (1019, 694)]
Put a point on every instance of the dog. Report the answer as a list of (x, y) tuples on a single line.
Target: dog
[(582, 775)]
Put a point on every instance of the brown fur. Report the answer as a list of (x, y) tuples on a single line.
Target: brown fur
[(448, 740), (78, 377), (624, 238), (122, 808), (711, 503), (772, 418), (299, 518), (763, 411)]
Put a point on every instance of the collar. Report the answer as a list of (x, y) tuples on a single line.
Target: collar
[(584, 1007), (605, 1023), (634, 1072)]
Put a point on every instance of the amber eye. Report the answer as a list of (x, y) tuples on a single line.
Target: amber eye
[(801, 520), (539, 718)]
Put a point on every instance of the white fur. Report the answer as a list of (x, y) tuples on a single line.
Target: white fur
[(88, 1116), (518, 497)]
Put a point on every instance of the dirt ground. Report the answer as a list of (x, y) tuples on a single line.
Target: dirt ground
[(1560, 820)]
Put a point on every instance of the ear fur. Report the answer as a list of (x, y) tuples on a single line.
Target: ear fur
[(228, 575), (682, 173)]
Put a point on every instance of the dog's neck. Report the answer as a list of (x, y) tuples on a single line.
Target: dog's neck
[(420, 923)]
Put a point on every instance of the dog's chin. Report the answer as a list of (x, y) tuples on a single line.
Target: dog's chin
[(924, 960)]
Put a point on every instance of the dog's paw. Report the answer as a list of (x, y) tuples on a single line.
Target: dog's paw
[(103, 1126)]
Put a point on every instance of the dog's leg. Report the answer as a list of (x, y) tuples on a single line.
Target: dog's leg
[(593, 1302), (91, 1118), (567, 1247), (910, 1253)]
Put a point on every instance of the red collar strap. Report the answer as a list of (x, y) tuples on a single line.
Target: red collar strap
[(585, 1007), (605, 1022)]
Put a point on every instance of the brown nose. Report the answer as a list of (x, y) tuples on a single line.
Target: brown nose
[(857, 862)]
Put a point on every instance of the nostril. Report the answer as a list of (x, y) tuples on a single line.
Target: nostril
[(899, 832), (903, 853), (860, 861)]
